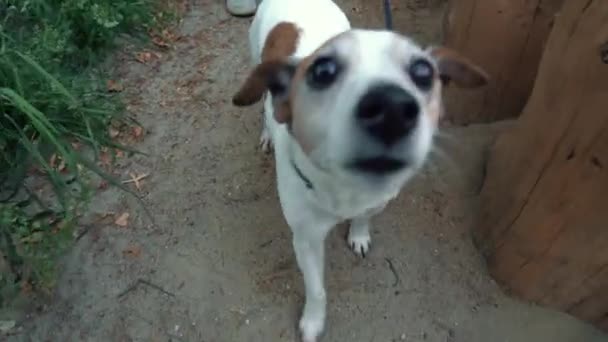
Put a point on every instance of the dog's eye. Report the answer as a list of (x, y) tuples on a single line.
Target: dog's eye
[(323, 72), (422, 73)]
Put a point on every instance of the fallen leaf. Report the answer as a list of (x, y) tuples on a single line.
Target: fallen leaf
[(119, 153), (53, 161), (132, 251), (57, 163), (105, 159), (143, 57), (158, 41), (26, 287), (113, 132), (168, 35), (102, 185), (122, 220), (138, 131), (114, 87), (62, 166)]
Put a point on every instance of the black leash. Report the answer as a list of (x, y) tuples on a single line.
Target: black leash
[(388, 15)]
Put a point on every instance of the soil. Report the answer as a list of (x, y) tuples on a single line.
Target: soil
[(217, 263)]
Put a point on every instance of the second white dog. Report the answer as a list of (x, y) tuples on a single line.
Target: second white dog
[(351, 115)]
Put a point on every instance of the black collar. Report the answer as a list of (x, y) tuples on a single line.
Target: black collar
[(304, 179)]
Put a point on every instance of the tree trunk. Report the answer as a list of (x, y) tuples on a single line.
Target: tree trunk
[(544, 203), (506, 38)]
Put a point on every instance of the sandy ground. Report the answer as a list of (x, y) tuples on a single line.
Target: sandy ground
[(218, 264)]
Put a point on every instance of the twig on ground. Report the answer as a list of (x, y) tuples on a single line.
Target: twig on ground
[(140, 281), (84, 232), (136, 179), (393, 270), (266, 244)]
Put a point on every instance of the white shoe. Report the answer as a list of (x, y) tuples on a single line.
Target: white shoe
[(241, 7)]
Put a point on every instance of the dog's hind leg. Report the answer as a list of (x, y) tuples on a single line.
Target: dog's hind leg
[(266, 136)]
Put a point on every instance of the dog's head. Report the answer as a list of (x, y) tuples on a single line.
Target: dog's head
[(366, 102)]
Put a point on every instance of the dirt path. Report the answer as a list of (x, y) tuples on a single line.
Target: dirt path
[(218, 265)]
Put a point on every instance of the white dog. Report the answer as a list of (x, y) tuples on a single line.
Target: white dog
[(351, 115)]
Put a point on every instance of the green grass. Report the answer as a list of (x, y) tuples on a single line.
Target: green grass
[(50, 98)]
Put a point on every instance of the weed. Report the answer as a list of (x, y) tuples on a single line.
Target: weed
[(51, 101)]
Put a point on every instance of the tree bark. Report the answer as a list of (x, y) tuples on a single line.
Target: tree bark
[(506, 38), (544, 203)]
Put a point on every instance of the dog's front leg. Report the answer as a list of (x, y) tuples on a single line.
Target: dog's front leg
[(359, 238), (310, 254)]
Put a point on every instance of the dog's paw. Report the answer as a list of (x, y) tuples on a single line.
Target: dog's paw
[(360, 243), (311, 328), (265, 141)]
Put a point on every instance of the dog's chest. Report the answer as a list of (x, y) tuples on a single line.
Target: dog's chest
[(347, 202)]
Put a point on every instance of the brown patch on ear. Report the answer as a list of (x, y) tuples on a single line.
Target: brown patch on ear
[(280, 44), (458, 69), (257, 83)]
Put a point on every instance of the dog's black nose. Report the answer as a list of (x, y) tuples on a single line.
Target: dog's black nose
[(388, 112)]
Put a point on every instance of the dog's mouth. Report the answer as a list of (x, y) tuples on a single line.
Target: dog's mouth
[(379, 165)]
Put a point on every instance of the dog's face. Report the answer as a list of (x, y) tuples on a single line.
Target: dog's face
[(365, 103)]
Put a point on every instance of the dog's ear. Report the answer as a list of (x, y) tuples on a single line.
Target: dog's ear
[(272, 76), (455, 67)]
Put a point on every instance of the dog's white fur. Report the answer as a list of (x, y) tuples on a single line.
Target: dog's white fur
[(324, 124)]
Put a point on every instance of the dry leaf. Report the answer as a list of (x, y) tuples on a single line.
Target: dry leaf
[(53, 161), (122, 220), (102, 185), (143, 57), (132, 251), (119, 153), (113, 132), (26, 288), (114, 87), (138, 131), (160, 42), (62, 166), (105, 159), (57, 163), (168, 35)]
